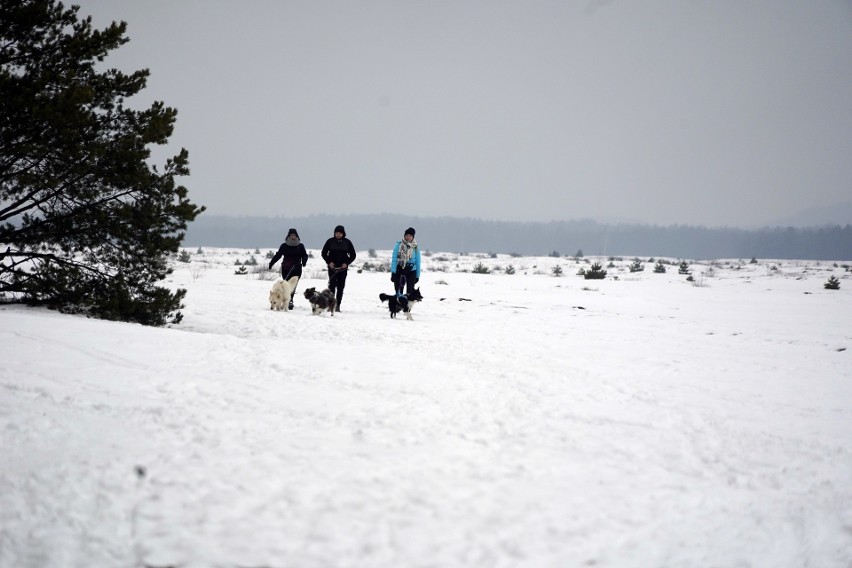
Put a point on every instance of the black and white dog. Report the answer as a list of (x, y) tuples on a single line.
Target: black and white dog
[(401, 302), (321, 300)]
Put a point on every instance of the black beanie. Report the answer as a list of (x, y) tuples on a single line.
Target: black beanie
[(409, 231), (340, 229), (292, 232)]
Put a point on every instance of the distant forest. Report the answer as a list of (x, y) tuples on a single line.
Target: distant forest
[(451, 234)]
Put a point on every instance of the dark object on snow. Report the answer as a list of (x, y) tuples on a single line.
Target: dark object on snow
[(321, 301), (401, 302)]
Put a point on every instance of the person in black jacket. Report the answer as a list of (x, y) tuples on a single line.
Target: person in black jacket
[(294, 256), (338, 253)]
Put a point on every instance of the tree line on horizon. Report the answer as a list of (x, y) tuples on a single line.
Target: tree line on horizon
[(453, 234)]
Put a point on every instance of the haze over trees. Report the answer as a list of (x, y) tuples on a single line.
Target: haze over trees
[(475, 235), (85, 222)]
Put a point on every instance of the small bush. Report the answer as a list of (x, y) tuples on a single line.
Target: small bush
[(197, 270), (184, 256), (637, 266), (832, 284), (660, 268), (697, 280), (372, 253), (556, 271), (481, 269), (683, 268), (595, 272), (510, 269)]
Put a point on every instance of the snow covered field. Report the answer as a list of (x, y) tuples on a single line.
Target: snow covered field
[(541, 422)]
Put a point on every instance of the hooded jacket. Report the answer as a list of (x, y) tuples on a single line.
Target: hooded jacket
[(294, 256), (338, 252)]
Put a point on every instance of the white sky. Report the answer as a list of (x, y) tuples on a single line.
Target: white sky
[(661, 111)]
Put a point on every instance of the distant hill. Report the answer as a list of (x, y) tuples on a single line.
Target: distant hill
[(451, 234)]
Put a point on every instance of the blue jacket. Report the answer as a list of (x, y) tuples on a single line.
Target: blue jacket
[(413, 264)]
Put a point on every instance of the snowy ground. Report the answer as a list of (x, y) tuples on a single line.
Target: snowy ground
[(548, 422)]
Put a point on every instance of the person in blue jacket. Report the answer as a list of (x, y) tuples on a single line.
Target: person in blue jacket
[(405, 263)]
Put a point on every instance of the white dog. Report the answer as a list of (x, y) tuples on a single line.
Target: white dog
[(280, 294)]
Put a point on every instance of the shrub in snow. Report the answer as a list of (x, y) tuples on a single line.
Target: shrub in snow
[(595, 272), (637, 266), (481, 269), (556, 270), (660, 268), (832, 284), (184, 256), (697, 280), (197, 270), (683, 268)]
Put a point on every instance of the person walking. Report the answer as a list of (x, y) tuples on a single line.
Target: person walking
[(294, 256), (338, 253), (405, 263)]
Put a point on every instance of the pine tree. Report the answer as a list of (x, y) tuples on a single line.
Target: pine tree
[(595, 272), (87, 222)]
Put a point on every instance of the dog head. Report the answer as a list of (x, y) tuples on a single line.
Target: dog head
[(309, 293), (415, 296)]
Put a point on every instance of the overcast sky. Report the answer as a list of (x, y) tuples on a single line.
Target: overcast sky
[(710, 112)]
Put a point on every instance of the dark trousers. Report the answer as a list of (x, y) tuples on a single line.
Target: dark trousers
[(410, 277), (288, 273), (336, 283)]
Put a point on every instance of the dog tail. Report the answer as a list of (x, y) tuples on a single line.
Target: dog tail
[(384, 297)]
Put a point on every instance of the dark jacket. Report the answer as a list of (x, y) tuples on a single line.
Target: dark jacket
[(294, 258), (338, 252)]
